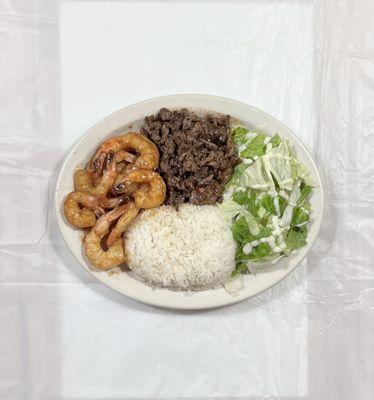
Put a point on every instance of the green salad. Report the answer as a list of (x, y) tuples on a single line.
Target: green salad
[(267, 200)]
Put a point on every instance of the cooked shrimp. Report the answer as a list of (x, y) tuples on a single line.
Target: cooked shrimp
[(114, 201), (98, 257), (109, 176), (97, 167), (83, 183), (121, 166), (153, 193), (103, 223), (120, 176), (124, 155), (81, 217), (83, 179), (129, 168), (127, 188), (123, 223), (147, 150)]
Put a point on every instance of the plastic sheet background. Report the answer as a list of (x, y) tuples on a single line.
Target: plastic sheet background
[(64, 65)]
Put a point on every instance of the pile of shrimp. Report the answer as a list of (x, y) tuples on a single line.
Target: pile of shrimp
[(108, 194)]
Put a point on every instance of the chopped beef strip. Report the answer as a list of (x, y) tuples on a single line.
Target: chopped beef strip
[(197, 156)]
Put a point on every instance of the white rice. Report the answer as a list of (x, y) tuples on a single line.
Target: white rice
[(188, 249)]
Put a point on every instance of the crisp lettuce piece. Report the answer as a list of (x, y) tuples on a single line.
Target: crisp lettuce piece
[(305, 191), (260, 251), (252, 205), (296, 238), (242, 233), (262, 264), (287, 215), (253, 225), (261, 212), (240, 230), (299, 171), (240, 256), (237, 175), (277, 164), (248, 200), (299, 216), (241, 268), (265, 232), (239, 135), (255, 177), (282, 204), (275, 140), (268, 203), (240, 197), (256, 147), (230, 209)]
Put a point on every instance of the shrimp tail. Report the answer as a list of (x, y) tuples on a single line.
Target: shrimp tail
[(96, 165)]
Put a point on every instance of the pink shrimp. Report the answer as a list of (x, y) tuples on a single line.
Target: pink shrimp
[(83, 179), (148, 154), (81, 217), (114, 255), (152, 191), (123, 223)]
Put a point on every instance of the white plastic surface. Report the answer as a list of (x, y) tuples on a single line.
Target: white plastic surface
[(65, 65)]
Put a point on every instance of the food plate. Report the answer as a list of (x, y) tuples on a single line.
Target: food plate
[(130, 118)]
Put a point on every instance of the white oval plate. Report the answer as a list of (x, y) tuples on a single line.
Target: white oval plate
[(130, 118)]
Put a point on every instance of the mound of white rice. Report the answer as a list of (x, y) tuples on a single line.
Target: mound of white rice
[(188, 249)]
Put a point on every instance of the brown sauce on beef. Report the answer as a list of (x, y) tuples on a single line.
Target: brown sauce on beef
[(197, 156)]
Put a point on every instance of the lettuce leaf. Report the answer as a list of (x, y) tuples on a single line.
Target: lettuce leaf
[(299, 216), (237, 175), (239, 135), (264, 232), (240, 230), (241, 268), (252, 223), (240, 197), (260, 251), (277, 164), (253, 208), (240, 256), (275, 140), (287, 215), (282, 204), (230, 209), (268, 203), (296, 238), (256, 147), (305, 191), (255, 177), (299, 171)]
